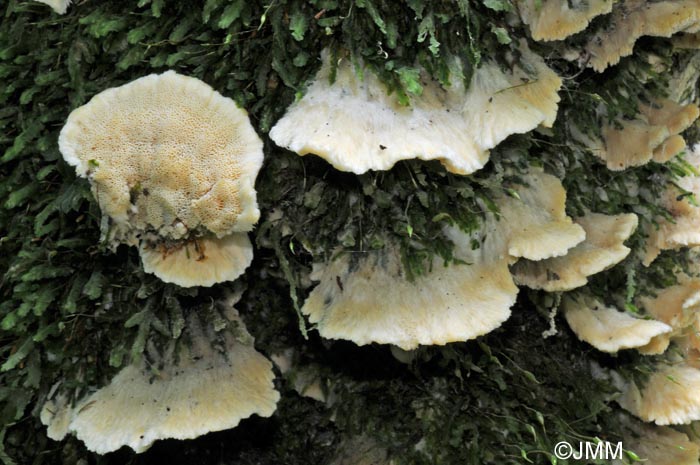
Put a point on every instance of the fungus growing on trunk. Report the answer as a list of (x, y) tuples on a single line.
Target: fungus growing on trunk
[(683, 230), (606, 328), (367, 297), (660, 445), (653, 136), (669, 397), (557, 20), (602, 248), (632, 19), (356, 126), (172, 164), (207, 380)]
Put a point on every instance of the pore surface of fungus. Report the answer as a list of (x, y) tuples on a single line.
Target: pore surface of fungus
[(167, 156), (557, 20), (366, 297), (208, 382), (602, 248), (606, 328), (356, 126), (632, 19)]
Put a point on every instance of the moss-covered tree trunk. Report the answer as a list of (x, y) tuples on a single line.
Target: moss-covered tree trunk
[(75, 311)]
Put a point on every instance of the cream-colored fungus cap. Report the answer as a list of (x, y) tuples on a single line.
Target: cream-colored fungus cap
[(356, 126), (167, 156), (202, 261), (59, 6), (669, 397), (632, 19), (210, 382), (602, 248), (654, 136), (660, 445), (557, 20), (606, 328), (684, 229), (366, 297), (535, 223), (679, 307)]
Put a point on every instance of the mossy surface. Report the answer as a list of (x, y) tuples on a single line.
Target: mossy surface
[(72, 312)]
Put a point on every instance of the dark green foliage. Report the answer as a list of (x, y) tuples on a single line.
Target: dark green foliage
[(74, 312)]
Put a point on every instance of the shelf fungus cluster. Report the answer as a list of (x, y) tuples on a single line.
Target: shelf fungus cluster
[(208, 379), (354, 124), (172, 164), (366, 297)]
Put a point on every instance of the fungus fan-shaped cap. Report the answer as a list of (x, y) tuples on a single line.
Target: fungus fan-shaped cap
[(356, 126), (661, 445), (167, 153), (632, 19), (172, 163), (684, 229), (367, 298), (535, 222), (209, 382), (655, 136), (201, 261), (59, 6), (669, 397), (602, 248), (557, 20), (606, 328)]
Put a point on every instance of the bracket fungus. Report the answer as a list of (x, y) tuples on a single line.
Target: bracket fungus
[(367, 298), (356, 126), (660, 445), (669, 397), (59, 6), (606, 328), (556, 20), (172, 164), (632, 19), (655, 135), (602, 248), (209, 381), (683, 230)]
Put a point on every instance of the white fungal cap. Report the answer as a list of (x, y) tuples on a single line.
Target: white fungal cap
[(632, 19), (367, 297), (198, 262), (356, 126), (209, 383), (59, 6), (669, 397), (660, 445), (684, 229), (606, 328), (536, 224), (167, 155), (602, 248), (652, 137), (679, 307), (557, 20)]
